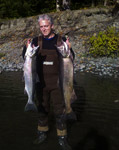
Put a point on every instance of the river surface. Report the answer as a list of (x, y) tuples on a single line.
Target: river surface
[(96, 107)]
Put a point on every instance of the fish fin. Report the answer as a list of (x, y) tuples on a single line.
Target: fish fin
[(37, 78), (25, 92), (31, 107), (71, 116), (73, 96), (23, 80)]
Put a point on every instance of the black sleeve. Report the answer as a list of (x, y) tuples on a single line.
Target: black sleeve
[(73, 54), (64, 39), (24, 51), (35, 41)]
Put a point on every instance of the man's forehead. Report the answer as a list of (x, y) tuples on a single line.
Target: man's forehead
[(44, 21)]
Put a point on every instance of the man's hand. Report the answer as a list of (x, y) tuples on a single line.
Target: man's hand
[(68, 42), (28, 42)]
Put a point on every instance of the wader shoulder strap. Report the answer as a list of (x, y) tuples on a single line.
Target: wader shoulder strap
[(40, 42), (59, 40)]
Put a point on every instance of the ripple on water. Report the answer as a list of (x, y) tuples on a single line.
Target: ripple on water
[(97, 109)]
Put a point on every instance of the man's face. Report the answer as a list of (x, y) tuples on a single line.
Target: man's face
[(45, 27)]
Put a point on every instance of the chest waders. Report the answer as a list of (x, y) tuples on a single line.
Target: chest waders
[(50, 92)]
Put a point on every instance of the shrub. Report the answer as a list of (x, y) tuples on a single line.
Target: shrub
[(105, 43)]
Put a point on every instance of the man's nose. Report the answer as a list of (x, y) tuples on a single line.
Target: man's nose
[(44, 27)]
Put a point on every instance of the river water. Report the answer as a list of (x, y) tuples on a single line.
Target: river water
[(97, 110)]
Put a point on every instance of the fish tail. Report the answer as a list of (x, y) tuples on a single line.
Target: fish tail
[(31, 107), (71, 116)]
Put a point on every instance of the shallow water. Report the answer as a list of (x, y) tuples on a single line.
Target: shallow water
[(97, 110)]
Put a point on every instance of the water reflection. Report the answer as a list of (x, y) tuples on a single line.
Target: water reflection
[(97, 110)]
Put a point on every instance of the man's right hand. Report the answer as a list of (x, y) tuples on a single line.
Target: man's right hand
[(28, 42)]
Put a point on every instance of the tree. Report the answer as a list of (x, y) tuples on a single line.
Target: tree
[(58, 5), (25, 8), (105, 2), (16, 9), (66, 4)]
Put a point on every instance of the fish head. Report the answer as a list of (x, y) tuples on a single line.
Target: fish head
[(63, 49), (31, 50)]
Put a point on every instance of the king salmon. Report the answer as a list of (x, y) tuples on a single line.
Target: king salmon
[(30, 76), (66, 76)]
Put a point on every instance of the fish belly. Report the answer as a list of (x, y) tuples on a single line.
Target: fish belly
[(29, 85), (68, 83)]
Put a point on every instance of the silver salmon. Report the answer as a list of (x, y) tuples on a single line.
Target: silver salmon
[(66, 76), (30, 77)]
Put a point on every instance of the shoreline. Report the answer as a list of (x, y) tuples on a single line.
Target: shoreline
[(104, 67)]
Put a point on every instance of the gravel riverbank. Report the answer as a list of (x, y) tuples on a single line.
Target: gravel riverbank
[(107, 67)]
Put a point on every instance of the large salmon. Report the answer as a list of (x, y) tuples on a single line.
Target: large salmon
[(30, 76), (66, 75)]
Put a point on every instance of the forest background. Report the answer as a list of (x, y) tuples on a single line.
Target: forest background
[(25, 8)]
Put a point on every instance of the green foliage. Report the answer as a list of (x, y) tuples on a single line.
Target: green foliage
[(48, 6), (15, 9), (25, 8), (106, 43)]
